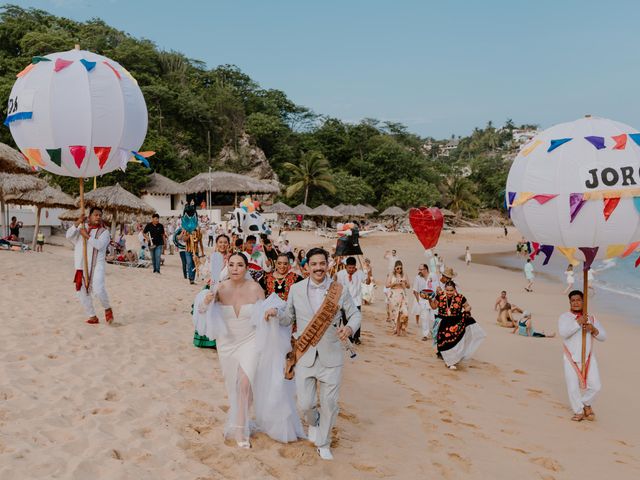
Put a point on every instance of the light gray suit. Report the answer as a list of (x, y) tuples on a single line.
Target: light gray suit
[(321, 364)]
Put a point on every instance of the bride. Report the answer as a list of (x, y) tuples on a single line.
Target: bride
[(252, 354)]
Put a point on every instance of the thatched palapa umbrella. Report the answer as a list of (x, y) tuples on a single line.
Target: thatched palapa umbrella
[(351, 211), (325, 212), (228, 182), (393, 212), (161, 185), (302, 209), (279, 208), (48, 197), (117, 200), (16, 177)]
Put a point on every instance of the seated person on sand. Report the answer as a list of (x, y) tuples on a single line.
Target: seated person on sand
[(525, 327), (131, 257), (505, 310)]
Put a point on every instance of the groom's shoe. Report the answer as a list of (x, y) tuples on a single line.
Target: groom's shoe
[(312, 435), (325, 453)]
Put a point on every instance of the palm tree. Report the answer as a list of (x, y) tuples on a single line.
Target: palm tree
[(460, 194), (313, 171)]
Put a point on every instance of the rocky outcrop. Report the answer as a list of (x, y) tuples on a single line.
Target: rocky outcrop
[(247, 159)]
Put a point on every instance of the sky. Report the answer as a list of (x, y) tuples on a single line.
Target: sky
[(439, 67)]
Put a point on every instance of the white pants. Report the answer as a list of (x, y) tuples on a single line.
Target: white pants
[(98, 289), (426, 320), (327, 379), (581, 398)]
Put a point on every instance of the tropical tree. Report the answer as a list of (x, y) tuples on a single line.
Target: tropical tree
[(460, 195), (313, 171)]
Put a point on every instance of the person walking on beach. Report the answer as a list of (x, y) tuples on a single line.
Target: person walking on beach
[(352, 279), (528, 274), (467, 256), (582, 389), (154, 233), (315, 301), (422, 285), (397, 282), (570, 279), (89, 279)]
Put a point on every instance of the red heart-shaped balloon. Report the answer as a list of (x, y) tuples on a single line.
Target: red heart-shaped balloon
[(427, 224)]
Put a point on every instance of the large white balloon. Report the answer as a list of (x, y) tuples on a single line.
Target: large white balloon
[(582, 163), (77, 114)]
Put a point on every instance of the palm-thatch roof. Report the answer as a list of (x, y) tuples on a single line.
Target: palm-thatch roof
[(14, 183), (351, 211), (48, 197), (227, 182), (11, 161), (302, 209), (161, 185), (116, 199), (278, 207), (371, 208), (325, 211), (393, 212)]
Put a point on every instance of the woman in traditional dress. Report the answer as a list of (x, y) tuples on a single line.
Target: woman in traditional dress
[(368, 285), (222, 247), (397, 282), (251, 353), (458, 334), (280, 280)]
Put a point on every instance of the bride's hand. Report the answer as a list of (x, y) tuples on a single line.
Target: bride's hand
[(272, 312)]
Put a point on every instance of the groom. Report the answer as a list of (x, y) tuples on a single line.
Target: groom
[(321, 366)]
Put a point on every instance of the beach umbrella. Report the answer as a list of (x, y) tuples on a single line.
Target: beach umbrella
[(116, 200), (14, 183), (279, 208), (302, 209), (392, 212), (77, 114), (324, 211), (47, 197), (575, 189), (371, 209)]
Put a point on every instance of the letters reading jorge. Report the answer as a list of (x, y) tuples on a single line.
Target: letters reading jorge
[(609, 177)]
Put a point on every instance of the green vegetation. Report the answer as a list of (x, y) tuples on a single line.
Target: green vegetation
[(195, 111)]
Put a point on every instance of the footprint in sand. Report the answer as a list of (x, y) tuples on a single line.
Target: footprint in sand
[(111, 396), (519, 372), (462, 462), (349, 417), (548, 463)]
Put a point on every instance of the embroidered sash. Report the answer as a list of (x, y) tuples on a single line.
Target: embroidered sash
[(314, 331)]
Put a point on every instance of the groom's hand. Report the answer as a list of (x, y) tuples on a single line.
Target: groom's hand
[(272, 312), (344, 333)]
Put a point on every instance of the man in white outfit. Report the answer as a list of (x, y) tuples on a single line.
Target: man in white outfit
[(581, 389), (352, 279), (91, 280), (321, 366)]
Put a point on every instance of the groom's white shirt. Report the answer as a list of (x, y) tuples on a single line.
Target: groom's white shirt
[(305, 298)]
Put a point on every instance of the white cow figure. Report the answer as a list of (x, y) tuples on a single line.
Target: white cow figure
[(244, 223)]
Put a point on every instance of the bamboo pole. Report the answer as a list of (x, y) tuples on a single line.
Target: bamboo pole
[(84, 240), (585, 314)]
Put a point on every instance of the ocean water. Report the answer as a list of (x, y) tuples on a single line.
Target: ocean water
[(616, 281)]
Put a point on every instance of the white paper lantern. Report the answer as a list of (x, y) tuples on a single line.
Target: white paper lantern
[(77, 114), (577, 186)]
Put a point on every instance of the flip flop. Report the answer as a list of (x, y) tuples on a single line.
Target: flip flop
[(93, 321), (578, 417), (108, 316)]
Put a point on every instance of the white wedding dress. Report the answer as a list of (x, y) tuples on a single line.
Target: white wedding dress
[(252, 356)]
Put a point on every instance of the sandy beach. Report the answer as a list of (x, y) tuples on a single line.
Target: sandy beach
[(137, 401)]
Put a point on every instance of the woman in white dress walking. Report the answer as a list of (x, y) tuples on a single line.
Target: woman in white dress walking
[(251, 353)]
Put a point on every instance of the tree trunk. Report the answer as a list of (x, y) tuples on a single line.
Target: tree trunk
[(306, 193), (36, 228), (114, 223), (3, 221)]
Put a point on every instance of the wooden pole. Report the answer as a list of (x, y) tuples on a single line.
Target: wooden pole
[(585, 314), (84, 240), (37, 227)]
